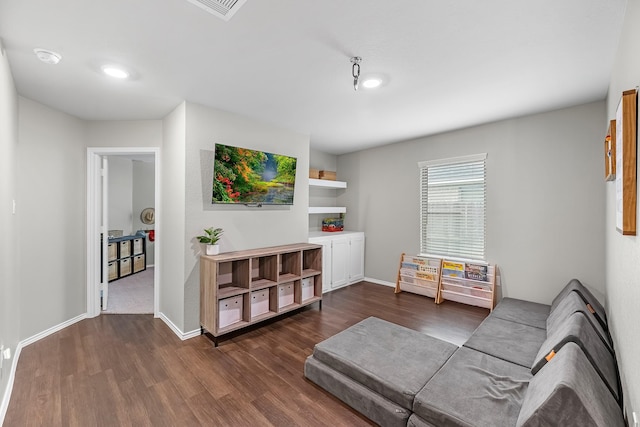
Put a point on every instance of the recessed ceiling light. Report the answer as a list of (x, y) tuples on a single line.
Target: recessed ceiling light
[(115, 72), (371, 83), (47, 56)]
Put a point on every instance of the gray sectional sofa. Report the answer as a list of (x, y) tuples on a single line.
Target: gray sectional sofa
[(527, 364)]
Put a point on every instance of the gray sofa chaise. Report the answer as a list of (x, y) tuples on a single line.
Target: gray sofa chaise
[(527, 364)]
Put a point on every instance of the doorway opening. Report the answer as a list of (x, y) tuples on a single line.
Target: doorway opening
[(122, 219)]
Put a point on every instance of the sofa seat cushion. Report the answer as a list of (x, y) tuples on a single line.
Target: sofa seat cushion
[(510, 341), (577, 329), (521, 311), (473, 389), (369, 403), (575, 285), (567, 391), (389, 359), (570, 304)]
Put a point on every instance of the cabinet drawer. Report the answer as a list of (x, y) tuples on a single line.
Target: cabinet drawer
[(113, 271), (229, 311), (285, 295), (125, 248), (112, 251), (125, 267), (138, 246), (138, 263)]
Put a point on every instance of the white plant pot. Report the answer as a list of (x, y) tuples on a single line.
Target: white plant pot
[(213, 249)]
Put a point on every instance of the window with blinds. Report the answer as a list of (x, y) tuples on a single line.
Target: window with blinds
[(452, 207)]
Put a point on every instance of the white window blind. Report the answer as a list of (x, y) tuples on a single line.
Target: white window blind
[(452, 200)]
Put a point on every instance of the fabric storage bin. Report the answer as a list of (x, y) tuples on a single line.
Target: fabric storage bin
[(285, 295), (229, 311), (112, 251), (307, 288), (259, 302)]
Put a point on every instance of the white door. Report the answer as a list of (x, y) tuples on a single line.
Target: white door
[(356, 258), (339, 262), (104, 229)]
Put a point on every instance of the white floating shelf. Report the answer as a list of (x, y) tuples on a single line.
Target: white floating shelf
[(326, 183), (327, 209)]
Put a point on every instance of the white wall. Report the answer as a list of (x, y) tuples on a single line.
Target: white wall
[(623, 252), (172, 206), (9, 243), (144, 197), (244, 227), (51, 183), (120, 194), (545, 199)]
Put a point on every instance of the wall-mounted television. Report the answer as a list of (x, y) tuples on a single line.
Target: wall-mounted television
[(245, 176)]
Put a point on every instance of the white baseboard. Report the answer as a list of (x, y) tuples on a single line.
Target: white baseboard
[(14, 362), (380, 282), (182, 335)]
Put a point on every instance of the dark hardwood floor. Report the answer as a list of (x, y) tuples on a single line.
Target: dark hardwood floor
[(131, 370)]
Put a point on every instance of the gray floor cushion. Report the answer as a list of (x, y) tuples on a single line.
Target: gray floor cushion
[(389, 359), (567, 391), (576, 286), (520, 311), (570, 304), (376, 407), (510, 341), (473, 389), (416, 421), (577, 329)]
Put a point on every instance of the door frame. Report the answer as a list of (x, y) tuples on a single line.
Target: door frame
[(94, 168)]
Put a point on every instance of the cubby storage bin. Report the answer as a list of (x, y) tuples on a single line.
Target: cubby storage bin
[(125, 267), (285, 295), (138, 263), (259, 302), (308, 286), (229, 311), (112, 251), (138, 246), (125, 248), (113, 270)]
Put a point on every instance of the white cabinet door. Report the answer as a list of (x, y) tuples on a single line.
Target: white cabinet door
[(356, 258), (339, 262)]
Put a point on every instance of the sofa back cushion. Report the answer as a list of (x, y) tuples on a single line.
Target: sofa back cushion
[(578, 329), (575, 285), (568, 391), (570, 304)]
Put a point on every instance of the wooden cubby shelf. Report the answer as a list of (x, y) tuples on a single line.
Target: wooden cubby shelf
[(240, 289)]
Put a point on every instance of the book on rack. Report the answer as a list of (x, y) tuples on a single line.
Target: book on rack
[(453, 269), (476, 272)]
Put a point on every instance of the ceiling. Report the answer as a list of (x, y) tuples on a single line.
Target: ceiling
[(446, 64)]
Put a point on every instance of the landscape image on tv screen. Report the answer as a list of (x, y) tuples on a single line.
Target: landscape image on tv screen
[(248, 176)]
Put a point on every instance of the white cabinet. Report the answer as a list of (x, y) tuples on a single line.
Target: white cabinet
[(342, 256)]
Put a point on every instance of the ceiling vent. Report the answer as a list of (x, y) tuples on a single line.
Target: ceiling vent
[(223, 9)]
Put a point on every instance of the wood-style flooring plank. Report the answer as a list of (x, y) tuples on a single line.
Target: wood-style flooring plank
[(131, 370)]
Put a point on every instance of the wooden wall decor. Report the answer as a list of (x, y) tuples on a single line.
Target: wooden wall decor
[(626, 133), (610, 152)]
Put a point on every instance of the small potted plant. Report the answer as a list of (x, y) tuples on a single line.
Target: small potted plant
[(211, 238)]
